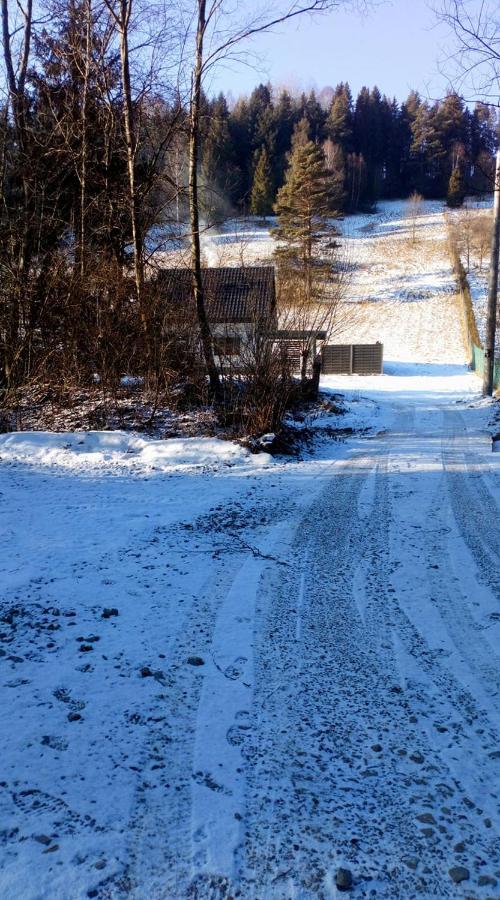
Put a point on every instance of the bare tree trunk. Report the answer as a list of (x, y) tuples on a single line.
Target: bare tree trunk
[(256, 24), (84, 150), (316, 373), (194, 210), (16, 83), (122, 18)]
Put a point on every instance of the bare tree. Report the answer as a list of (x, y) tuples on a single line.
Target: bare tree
[(16, 55), (306, 320), (415, 201), (143, 31), (473, 63), (17, 70), (84, 132), (481, 237), (121, 11)]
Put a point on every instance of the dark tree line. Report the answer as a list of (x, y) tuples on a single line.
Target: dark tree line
[(376, 148)]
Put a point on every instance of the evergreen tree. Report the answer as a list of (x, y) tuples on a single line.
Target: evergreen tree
[(452, 121), (239, 130), (456, 189), (304, 208), (300, 135), (428, 151), (68, 133), (258, 102), (217, 159), (409, 166), (311, 109), (339, 123), (368, 141), (394, 138), (388, 150), (260, 122), (261, 203), (305, 231), (355, 181), (284, 120), (335, 162)]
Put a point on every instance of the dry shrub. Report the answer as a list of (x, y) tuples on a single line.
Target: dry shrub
[(257, 389)]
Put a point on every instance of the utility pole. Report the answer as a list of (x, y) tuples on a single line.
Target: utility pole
[(491, 320)]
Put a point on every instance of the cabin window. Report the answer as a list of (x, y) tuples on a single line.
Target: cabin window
[(229, 345)]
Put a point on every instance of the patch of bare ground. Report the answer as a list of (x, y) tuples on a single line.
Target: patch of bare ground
[(47, 407)]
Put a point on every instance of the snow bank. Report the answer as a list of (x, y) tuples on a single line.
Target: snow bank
[(118, 449)]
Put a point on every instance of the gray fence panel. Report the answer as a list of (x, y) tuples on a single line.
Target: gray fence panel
[(367, 359), (337, 359), (352, 359)]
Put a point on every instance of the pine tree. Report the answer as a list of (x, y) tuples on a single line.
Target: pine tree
[(261, 202), (240, 133), (456, 189), (284, 118), (335, 162), (311, 110), (304, 208), (368, 141), (305, 231), (339, 123), (217, 159)]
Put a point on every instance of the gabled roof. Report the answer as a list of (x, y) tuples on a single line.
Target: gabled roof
[(231, 294)]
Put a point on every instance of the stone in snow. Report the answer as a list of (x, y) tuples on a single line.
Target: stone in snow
[(343, 879), (458, 874)]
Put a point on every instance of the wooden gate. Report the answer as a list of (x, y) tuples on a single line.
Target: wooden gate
[(352, 359)]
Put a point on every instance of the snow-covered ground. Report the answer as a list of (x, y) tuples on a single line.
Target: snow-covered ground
[(398, 259), (120, 451), (225, 675)]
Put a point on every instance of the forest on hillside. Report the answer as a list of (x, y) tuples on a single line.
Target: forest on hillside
[(375, 147)]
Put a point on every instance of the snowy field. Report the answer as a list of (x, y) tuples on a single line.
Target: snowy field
[(226, 675)]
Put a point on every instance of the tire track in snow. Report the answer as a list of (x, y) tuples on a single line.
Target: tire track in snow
[(446, 590), (309, 800), (276, 753), (325, 805)]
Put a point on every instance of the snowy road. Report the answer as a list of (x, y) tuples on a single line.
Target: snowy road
[(303, 673)]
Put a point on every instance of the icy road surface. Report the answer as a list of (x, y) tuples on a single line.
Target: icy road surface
[(302, 673)]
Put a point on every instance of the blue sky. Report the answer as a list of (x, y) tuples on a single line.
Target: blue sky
[(397, 45)]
